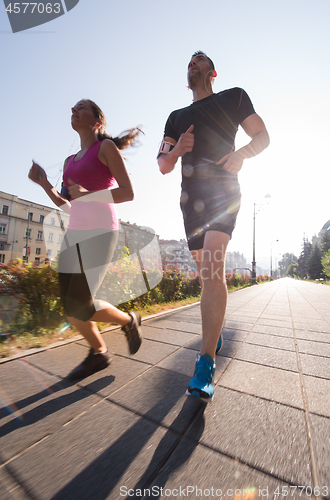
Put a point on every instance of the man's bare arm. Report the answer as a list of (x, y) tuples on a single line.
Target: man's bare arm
[(255, 128)]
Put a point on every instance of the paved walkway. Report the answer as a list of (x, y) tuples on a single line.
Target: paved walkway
[(130, 427)]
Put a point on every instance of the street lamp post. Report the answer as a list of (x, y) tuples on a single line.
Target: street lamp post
[(254, 268), (271, 260), (254, 264)]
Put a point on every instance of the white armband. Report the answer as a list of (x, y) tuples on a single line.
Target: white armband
[(165, 147)]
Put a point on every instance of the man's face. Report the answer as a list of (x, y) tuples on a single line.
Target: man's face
[(198, 69)]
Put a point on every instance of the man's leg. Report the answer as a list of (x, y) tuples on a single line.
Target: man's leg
[(211, 265), (210, 262), (214, 295)]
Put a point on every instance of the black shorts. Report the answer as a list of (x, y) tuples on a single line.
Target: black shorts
[(83, 262), (210, 201)]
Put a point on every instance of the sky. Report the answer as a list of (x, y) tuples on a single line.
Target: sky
[(131, 58)]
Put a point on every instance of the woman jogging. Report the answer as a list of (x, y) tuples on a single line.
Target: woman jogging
[(86, 252)]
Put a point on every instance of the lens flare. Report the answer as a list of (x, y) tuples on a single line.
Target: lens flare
[(64, 328)]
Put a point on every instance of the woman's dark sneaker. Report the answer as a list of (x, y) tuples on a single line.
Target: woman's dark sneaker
[(91, 364), (133, 332)]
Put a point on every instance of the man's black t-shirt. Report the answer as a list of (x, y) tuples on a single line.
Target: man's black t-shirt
[(216, 119)]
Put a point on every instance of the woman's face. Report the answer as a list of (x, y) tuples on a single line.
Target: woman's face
[(82, 116)]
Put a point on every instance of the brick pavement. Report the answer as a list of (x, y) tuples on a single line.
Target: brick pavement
[(130, 429)]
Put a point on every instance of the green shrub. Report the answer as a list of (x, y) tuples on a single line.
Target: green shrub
[(326, 263), (37, 290)]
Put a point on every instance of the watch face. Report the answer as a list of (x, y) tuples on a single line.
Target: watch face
[(25, 15)]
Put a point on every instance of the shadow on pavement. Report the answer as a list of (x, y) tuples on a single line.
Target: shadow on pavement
[(103, 475), (57, 403), (181, 458)]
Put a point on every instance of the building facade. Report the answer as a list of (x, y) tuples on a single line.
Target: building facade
[(176, 256), (29, 230), (236, 261), (138, 240)]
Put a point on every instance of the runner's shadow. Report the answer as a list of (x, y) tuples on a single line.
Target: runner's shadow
[(181, 457), (22, 403), (53, 405), (104, 474)]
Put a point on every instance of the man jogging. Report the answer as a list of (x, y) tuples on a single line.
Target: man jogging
[(203, 135)]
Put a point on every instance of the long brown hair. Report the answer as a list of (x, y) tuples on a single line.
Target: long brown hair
[(125, 139)]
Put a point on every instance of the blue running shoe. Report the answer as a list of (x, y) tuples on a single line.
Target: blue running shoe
[(201, 385)]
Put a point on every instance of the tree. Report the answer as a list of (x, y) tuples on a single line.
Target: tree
[(326, 263), (314, 265), (303, 258), (284, 263), (292, 269)]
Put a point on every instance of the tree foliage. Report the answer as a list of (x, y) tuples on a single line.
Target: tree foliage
[(292, 269), (314, 265), (284, 263), (303, 259), (326, 263)]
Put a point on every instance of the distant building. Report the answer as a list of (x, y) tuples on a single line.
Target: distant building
[(176, 255), (235, 260), (317, 240), (137, 238), (24, 233)]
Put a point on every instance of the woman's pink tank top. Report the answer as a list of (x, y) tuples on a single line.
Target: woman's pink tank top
[(93, 175)]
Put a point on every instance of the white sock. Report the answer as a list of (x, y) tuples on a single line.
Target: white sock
[(103, 352)]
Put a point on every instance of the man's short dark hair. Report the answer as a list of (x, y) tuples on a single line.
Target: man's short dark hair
[(201, 53)]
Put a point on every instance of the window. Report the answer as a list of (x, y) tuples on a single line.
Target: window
[(39, 236), (27, 233), (49, 252), (30, 216), (3, 228), (2, 258), (41, 219), (50, 237), (38, 251), (60, 238), (1, 246), (62, 224), (37, 260), (52, 221), (5, 209)]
